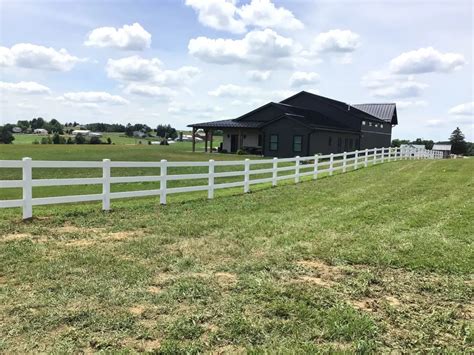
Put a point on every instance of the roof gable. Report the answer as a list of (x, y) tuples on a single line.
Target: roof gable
[(384, 111)]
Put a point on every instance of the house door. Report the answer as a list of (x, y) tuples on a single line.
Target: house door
[(234, 142)]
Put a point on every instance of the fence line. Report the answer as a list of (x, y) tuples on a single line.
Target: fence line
[(319, 163)]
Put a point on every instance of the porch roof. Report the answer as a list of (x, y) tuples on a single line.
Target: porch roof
[(228, 124)]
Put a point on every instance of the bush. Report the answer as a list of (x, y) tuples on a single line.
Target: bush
[(69, 140), (56, 138), (109, 141), (164, 142), (80, 139), (149, 142), (95, 140), (6, 135), (44, 140), (241, 152), (35, 142)]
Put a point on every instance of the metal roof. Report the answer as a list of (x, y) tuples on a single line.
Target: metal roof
[(227, 124), (442, 147), (382, 111)]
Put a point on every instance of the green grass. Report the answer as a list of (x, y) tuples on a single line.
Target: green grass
[(375, 260)]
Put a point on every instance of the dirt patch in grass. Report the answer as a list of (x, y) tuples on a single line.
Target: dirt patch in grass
[(326, 273), (315, 280), (154, 289), (19, 236), (226, 279), (137, 310)]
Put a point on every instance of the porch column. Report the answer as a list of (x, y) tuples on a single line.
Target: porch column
[(210, 140), (194, 139), (206, 133)]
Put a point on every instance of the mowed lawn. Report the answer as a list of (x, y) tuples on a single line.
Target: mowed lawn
[(377, 259)]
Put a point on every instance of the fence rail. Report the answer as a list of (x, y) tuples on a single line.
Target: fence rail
[(301, 167)]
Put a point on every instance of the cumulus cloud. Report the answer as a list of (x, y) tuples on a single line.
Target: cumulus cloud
[(27, 55), (466, 109), (194, 110), (129, 37), (231, 90), (157, 92), (340, 41), (401, 90), (426, 60), (403, 104), (257, 47), (24, 87), (137, 69), (259, 75), (93, 97), (301, 78), (248, 95), (226, 15), (387, 85)]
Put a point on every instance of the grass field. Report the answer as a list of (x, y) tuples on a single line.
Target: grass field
[(378, 259)]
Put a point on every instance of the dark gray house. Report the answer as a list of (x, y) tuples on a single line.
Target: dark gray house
[(305, 124)]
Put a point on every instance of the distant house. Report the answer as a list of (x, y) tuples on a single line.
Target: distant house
[(413, 146), (444, 148), (16, 130), (305, 124), (40, 131), (139, 134), (83, 132)]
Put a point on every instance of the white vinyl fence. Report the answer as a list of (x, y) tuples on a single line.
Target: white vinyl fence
[(296, 168)]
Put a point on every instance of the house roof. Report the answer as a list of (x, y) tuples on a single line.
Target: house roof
[(384, 111), (438, 146), (417, 146), (227, 124)]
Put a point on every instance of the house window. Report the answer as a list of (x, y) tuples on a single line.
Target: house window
[(370, 124), (297, 143), (381, 126), (259, 142), (363, 123), (329, 141), (273, 141)]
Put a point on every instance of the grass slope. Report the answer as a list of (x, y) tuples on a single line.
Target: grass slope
[(373, 260)]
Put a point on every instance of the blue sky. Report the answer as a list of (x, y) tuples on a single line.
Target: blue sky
[(186, 61)]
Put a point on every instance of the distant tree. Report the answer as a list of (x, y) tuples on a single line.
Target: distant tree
[(129, 130), (37, 123), (23, 124), (427, 143), (166, 131), (95, 140), (69, 140), (80, 139), (458, 143), (56, 138), (399, 142), (6, 136), (470, 149), (109, 141), (54, 126)]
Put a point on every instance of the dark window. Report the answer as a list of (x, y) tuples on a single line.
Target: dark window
[(273, 141), (297, 143), (329, 141), (259, 143)]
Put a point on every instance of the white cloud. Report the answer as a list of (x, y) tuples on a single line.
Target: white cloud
[(24, 87), (262, 48), (386, 85), (264, 14), (137, 69), (158, 92), (194, 110), (129, 37), (341, 41), (218, 14), (259, 75), (301, 78), (426, 60), (401, 90), (27, 55), (231, 90), (466, 109), (93, 97), (225, 15), (403, 104)]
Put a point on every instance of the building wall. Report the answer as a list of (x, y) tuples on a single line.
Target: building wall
[(285, 129), (326, 142), (249, 138), (375, 136)]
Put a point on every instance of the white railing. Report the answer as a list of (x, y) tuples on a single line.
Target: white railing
[(303, 166)]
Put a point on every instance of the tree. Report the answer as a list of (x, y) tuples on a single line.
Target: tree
[(166, 131), (458, 144), (399, 142), (6, 136), (95, 140), (427, 143), (37, 123), (54, 126), (80, 139), (23, 124), (56, 138)]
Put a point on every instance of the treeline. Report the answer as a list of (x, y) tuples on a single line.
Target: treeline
[(458, 142)]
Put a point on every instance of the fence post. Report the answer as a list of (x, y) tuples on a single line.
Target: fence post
[(389, 153), (316, 162), (275, 171), (383, 154), (27, 189), (106, 184), (366, 158), (344, 163), (210, 192), (356, 160), (247, 176), (163, 173), (331, 162), (297, 169), (375, 156)]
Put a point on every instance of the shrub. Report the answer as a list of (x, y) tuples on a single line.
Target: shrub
[(6, 135), (69, 140), (109, 141), (241, 152), (149, 142), (95, 140), (35, 142), (80, 139), (44, 140), (164, 142), (56, 138)]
